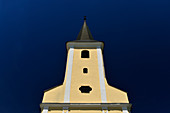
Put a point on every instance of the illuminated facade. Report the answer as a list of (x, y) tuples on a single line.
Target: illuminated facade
[(85, 89)]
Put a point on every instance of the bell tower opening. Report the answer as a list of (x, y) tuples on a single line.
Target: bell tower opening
[(85, 54)]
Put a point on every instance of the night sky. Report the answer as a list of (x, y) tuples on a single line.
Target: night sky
[(33, 53)]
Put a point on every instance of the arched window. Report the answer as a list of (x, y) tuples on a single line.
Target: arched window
[(85, 54), (85, 70)]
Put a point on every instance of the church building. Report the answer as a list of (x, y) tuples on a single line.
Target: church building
[(85, 88)]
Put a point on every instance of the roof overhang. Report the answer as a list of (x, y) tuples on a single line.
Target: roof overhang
[(84, 45)]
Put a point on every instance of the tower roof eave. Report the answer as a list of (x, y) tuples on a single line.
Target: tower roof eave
[(84, 44)]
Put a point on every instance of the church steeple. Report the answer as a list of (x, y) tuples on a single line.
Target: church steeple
[(85, 88), (84, 39), (84, 34)]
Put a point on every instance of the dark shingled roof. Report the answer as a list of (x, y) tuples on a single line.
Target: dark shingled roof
[(85, 34), (84, 39)]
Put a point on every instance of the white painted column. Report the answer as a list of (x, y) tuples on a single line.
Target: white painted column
[(124, 110), (101, 75), (65, 109), (69, 73), (104, 110), (45, 110)]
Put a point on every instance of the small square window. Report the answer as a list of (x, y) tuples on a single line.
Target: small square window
[(85, 70)]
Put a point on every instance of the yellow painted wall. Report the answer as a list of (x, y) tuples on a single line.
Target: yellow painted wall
[(78, 79)]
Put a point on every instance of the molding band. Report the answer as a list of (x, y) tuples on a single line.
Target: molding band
[(89, 106), (84, 45)]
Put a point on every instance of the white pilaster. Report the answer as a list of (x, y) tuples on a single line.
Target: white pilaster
[(45, 110), (124, 110), (65, 109), (68, 79), (101, 75), (104, 110)]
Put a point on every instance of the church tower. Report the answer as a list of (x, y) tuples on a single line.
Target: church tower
[(85, 88)]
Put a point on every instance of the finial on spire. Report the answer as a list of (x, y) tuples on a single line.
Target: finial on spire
[(84, 34), (84, 17)]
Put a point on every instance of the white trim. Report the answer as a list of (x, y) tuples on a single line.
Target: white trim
[(124, 109), (104, 110), (65, 108), (66, 111), (45, 110), (69, 73), (101, 75)]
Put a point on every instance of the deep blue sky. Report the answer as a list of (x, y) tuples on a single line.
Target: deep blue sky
[(33, 54)]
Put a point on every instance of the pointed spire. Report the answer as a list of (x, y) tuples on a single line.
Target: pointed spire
[(84, 34)]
